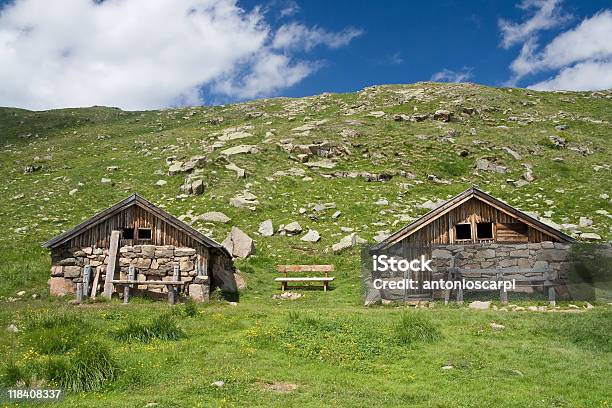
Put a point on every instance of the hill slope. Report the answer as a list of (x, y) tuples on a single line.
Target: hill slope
[(375, 156)]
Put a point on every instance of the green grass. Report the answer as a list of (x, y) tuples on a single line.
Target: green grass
[(336, 351)]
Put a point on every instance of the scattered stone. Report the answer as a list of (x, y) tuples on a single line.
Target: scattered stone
[(590, 236), (292, 228), (218, 384), (250, 149), (238, 243), (161, 183), (381, 236), (486, 165), (245, 199), (195, 187), (377, 114), (442, 115), (266, 229), (240, 172), (512, 153), (214, 216), (382, 201), (336, 214), (479, 305), (287, 296), (311, 236), (589, 306), (561, 127), (448, 367), (585, 222), (496, 326), (73, 191), (21, 293), (32, 168), (12, 328), (528, 174), (234, 133), (324, 164), (348, 241), (557, 141), (105, 180), (280, 387)]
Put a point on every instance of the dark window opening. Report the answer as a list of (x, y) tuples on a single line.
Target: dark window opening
[(128, 233), (484, 230), (144, 233), (463, 231)]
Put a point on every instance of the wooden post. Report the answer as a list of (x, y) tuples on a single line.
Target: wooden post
[(112, 261), (126, 288), (79, 292), (86, 278), (176, 276), (94, 286), (460, 288)]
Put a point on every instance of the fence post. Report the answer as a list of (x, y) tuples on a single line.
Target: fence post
[(126, 288), (503, 295), (79, 292), (86, 279)]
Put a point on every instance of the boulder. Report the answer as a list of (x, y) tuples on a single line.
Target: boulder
[(590, 236), (60, 286), (324, 164), (292, 228), (479, 305), (266, 229), (348, 241), (214, 216), (72, 271), (240, 281), (238, 243), (199, 292), (240, 150), (240, 172), (443, 115), (311, 236)]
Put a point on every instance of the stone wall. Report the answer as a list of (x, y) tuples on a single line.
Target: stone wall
[(541, 255), (151, 263)]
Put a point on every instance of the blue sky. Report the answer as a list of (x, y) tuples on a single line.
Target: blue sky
[(141, 54)]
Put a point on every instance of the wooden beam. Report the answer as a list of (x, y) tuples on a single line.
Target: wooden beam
[(94, 285), (112, 262), (304, 268), (86, 279)]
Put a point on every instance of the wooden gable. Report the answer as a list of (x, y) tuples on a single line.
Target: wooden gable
[(474, 217), (140, 222)]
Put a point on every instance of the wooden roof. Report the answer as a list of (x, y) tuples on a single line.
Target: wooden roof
[(132, 200), (456, 201)]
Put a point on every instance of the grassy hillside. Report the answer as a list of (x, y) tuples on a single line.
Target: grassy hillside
[(546, 153)]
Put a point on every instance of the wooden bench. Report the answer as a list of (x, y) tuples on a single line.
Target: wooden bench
[(171, 285), (545, 281), (286, 269)]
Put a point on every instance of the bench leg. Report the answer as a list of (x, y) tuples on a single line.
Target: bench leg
[(126, 293), (171, 295), (551, 296), (283, 286), (324, 286)]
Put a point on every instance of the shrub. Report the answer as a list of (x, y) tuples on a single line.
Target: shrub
[(89, 368), (163, 327), (54, 332), (191, 308), (416, 327)]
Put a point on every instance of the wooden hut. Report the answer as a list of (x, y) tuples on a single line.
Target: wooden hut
[(475, 231), (134, 240)]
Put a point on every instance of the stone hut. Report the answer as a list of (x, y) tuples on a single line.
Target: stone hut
[(478, 235), (135, 235)]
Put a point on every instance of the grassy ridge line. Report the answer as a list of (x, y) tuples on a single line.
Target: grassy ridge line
[(83, 142)]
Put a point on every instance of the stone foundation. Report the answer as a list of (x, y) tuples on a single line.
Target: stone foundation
[(151, 263)]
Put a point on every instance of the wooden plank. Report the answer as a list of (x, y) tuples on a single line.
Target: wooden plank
[(309, 279), (112, 262), (156, 283), (79, 292), (94, 285), (86, 279), (304, 268)]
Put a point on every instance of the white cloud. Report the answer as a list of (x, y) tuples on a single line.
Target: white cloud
[(289, 9), (547, 15), (590, 40), (591, 75), (298, 36), (447, 75), (142, 54), (579, 58)]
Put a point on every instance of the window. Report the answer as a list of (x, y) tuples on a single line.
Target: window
[(463, 232), (144, 233), (484, 230), (128, 233)]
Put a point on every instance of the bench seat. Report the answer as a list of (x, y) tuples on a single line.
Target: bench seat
[(305, 279), (157, 283)]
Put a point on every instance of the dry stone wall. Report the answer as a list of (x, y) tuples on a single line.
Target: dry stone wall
[(151, 263)]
